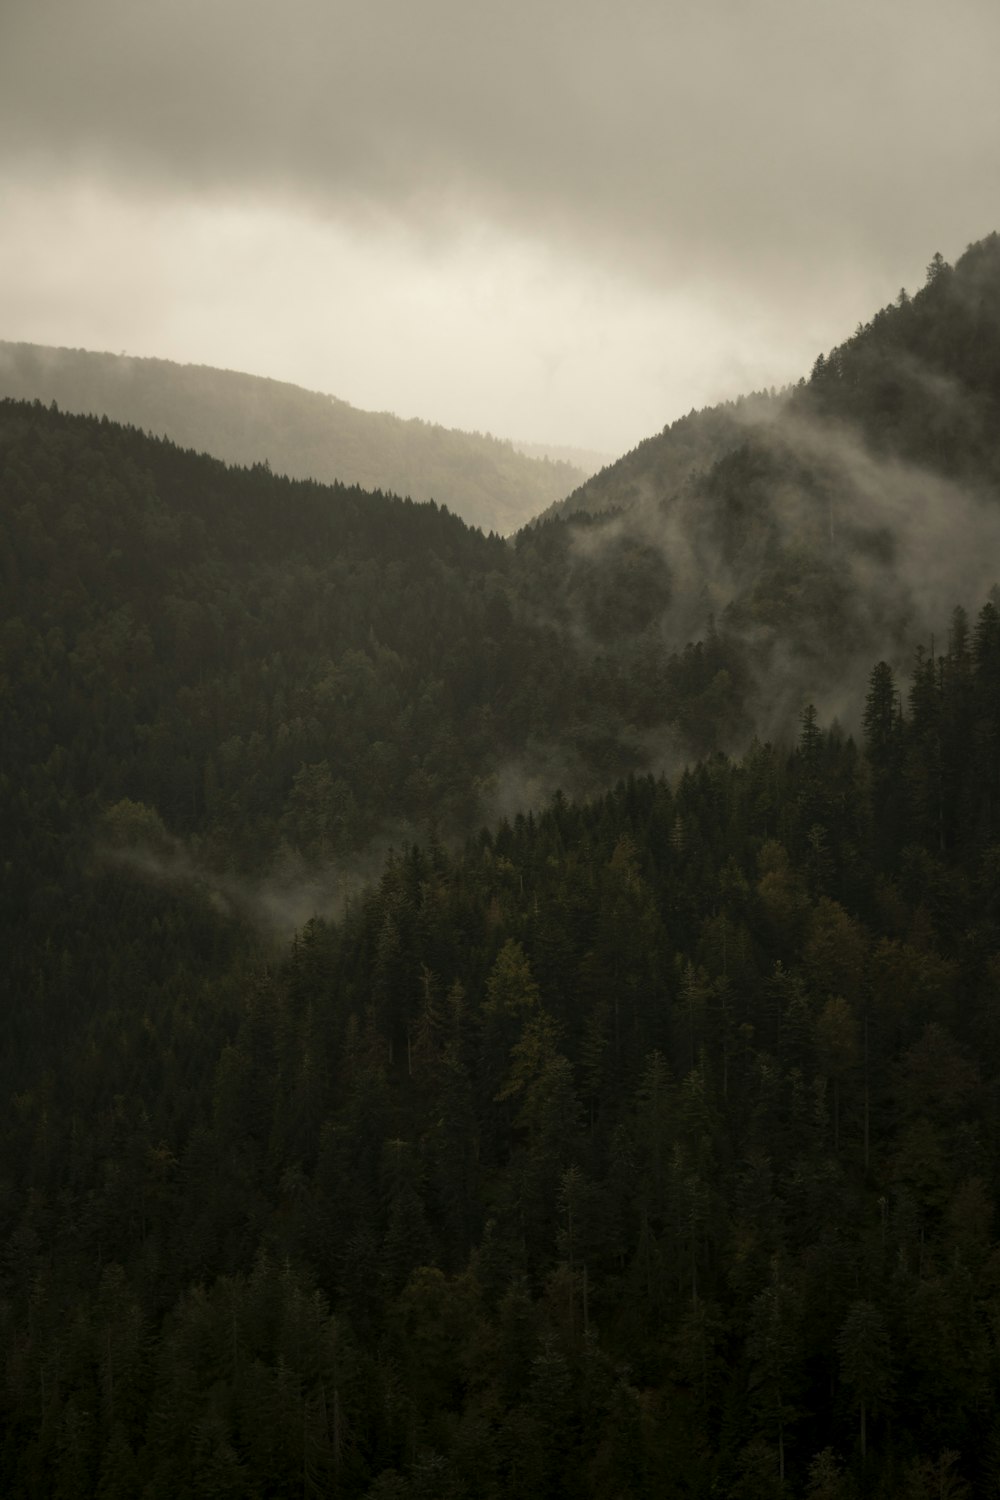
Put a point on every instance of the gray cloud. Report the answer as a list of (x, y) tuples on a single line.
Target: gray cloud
[(690, 140), (557, 221)]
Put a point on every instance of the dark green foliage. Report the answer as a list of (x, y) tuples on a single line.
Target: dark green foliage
[(923, 377), (627, 1152)]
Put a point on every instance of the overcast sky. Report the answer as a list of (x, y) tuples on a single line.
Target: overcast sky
[(558, 220)]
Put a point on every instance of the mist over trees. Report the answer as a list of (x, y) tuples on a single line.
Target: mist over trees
[(836, 522), (625, 1124), (919, 382)]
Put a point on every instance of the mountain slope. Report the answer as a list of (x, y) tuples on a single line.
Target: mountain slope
[(838, 524), (283, 671), (276, 668), (245, 419), (920, 381), (662, 464)]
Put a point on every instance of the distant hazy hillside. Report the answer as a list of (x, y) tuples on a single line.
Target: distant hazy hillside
[(245, 420), (588, 460)]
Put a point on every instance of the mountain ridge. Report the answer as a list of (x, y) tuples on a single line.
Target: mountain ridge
[(930, 356), (246, 419)]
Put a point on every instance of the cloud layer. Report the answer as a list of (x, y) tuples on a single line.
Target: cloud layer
[(780, 163)]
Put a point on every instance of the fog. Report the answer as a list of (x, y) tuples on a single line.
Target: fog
[(276, 903), (837, 556)]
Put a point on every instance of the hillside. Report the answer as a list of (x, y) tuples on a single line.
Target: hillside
[(919, 382), (245, 420), (279, 665), (838, 522), (661, 465), (586, 459)]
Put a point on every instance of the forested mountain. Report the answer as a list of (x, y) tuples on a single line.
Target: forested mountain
[(245, 420), (840, 520), (278, 666), (661, 465), (918, 382), (643, 1144)]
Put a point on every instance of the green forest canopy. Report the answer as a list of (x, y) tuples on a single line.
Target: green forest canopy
[(645, 1146)]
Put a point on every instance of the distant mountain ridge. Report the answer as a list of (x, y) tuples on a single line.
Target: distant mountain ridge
[(247, 419), (587, 459)]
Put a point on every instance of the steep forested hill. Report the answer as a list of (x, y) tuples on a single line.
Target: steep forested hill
[(836, 523), (920, 381), (266, 661), (661, 465), (225, 681), (245, 420)]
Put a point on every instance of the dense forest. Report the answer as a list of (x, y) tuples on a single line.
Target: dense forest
[(245, 419), (645, 1146), (280, 668), (623, 1121)]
